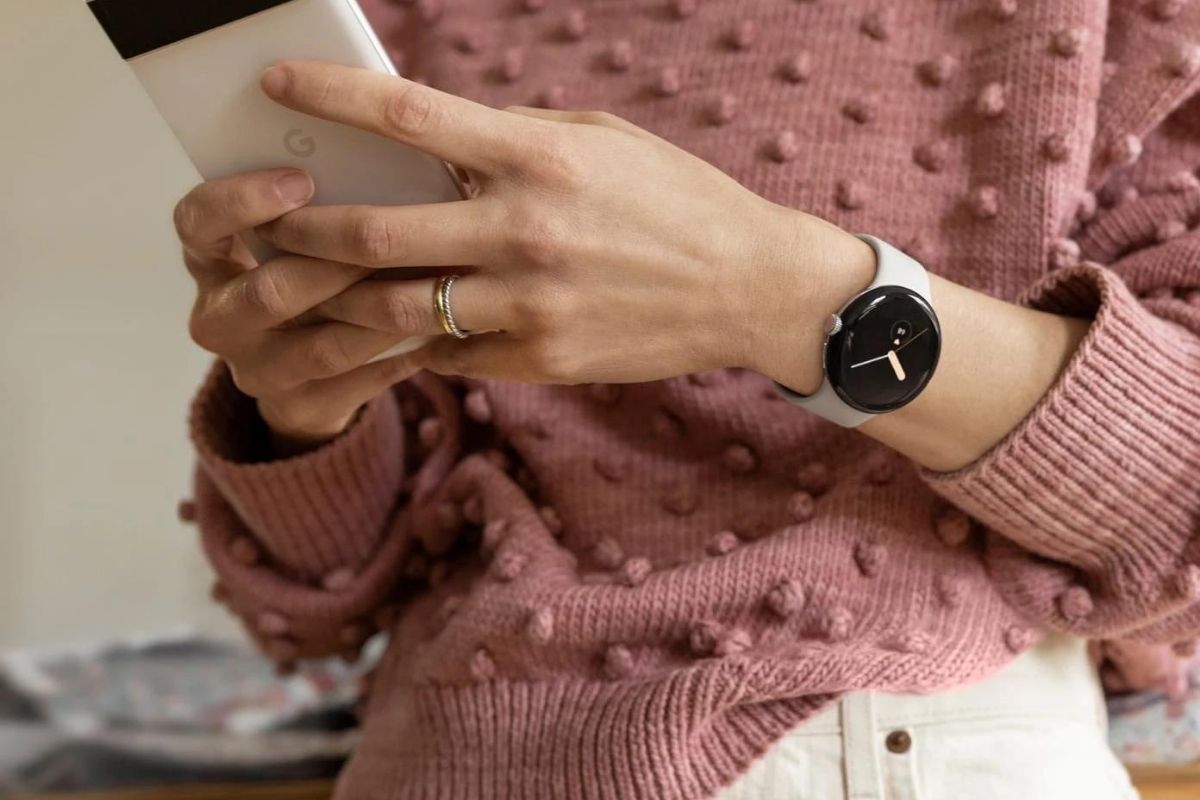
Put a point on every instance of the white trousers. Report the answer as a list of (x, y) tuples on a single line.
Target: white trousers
[(1033, 731)]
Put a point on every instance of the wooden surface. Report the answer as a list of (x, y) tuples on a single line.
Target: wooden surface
[(1155, 783), (1167, 783)]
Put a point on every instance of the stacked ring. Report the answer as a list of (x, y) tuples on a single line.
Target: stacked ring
[(441, 306)]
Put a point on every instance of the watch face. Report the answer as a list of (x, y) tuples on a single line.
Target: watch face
[(886, 350)]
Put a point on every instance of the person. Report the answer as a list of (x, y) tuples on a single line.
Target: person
[(710, 493)]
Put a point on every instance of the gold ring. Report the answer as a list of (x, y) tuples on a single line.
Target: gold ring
[(441, 306)]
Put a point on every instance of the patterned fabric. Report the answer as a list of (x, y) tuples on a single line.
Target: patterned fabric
[(632, 591)]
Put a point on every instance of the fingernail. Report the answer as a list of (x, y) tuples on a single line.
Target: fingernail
[(295, 187), (275, 81)]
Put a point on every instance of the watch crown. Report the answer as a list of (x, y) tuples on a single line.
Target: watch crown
[(833, 324)]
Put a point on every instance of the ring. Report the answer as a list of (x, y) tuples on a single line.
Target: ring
[(441, 306)]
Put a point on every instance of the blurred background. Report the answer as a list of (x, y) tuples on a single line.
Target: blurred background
[(116, 669), (95, 366)]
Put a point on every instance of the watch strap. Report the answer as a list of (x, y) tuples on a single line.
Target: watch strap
[(892, 268), (826, 403)]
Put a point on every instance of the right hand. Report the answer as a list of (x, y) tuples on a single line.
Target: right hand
[(308, 375)]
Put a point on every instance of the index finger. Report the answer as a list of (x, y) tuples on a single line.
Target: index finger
[(452, 128)]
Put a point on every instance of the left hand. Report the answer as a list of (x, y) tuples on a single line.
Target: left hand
[(598, 252)]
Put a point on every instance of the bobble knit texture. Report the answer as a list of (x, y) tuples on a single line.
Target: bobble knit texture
[(633, 591)]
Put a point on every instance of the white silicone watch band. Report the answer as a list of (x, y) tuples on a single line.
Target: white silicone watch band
[(893, 268)]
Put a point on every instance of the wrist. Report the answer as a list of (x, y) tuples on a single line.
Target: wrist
[(293, 438), (815, 269)]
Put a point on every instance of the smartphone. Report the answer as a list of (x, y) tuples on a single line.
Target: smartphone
[(200, 63)]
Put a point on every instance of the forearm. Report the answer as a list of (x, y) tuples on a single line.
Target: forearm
[(997, 361)]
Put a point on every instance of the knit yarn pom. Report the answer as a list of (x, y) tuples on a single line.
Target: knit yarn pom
[(607, 553), (483, 666), (850, 195), (721, 544), (704, 636), (932, 156), (798, 68), (1003, 9), (1182, 60), (992, 100), (953, 526), (937, 71), (784, 147), (785, 598), (732, 642), (635, 571), (618, 662), (739, 459), (985, 202), (1075, 603), (1056, 147), (814, 477), (1068, 42), (1017, 638), (1126, 150), (801, 506), (837, 624), (508, 564), (540, 625), (869, 556)]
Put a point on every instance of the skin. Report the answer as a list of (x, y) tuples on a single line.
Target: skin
[(599, 253)]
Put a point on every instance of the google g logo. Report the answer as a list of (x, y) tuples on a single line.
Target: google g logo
[(299, 144)]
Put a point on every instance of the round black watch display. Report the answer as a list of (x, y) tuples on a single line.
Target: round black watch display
[(885, 351)]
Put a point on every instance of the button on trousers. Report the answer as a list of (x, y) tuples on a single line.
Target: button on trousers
[(1033, 731)]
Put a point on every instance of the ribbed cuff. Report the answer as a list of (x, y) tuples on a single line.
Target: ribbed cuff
[(313, 513), (1102, 474)]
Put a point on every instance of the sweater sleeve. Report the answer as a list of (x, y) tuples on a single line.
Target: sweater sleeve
[(1092, 503), (311, 552)]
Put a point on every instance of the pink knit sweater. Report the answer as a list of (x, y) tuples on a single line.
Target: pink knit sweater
[(631, 591)]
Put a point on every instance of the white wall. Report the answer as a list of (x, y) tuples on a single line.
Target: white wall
[(95, 366)]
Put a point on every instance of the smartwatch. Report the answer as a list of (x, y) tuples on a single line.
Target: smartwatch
[(881, 348)]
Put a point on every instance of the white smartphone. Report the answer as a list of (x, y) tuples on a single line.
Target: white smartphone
[(200, 62)]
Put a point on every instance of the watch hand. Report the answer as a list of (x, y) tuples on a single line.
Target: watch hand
[(895, 362), (910, 341), (871, 360)]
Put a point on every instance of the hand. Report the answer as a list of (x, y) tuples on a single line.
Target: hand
[(599, 252), (309, 378)]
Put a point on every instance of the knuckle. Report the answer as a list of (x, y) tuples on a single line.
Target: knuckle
[(552, 361), (207, 323), (372, 239), (560, 308), (241, 200), (556, 161), (328, 88), (402, 311), (527, 307), (409, 111), (326, 355), (187, 219), (543, 312), (265, 293), (603, 119), (200, 330), (538, 236), (287, 230)]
